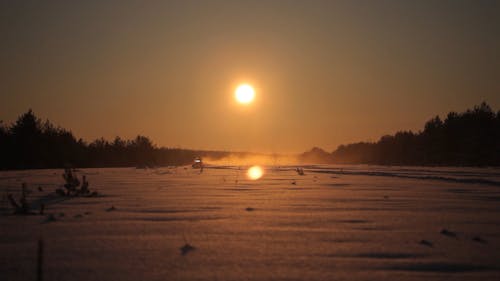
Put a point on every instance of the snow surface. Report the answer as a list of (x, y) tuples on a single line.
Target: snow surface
[(333, 223)]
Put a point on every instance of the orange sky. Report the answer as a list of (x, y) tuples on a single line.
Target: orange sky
[(325, 72)]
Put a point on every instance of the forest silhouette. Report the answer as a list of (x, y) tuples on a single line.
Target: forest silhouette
[(470, 138), (30, 143)]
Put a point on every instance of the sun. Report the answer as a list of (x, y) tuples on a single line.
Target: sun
[(255, 172), (244, 94)]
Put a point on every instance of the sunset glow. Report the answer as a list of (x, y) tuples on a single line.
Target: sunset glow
[(255, 172), (250, 140), (244, 94)]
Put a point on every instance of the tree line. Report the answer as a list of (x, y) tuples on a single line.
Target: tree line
[(469, 138), (30, 143)]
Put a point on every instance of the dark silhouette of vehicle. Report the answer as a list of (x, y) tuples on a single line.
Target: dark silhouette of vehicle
[(198, 163)]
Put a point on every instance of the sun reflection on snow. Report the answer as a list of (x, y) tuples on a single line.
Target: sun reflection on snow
[(255, 172)]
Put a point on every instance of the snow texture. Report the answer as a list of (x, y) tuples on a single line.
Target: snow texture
[(332, 223)]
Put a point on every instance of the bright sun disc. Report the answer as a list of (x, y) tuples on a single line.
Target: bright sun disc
[(244, 94), (255, 172)]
